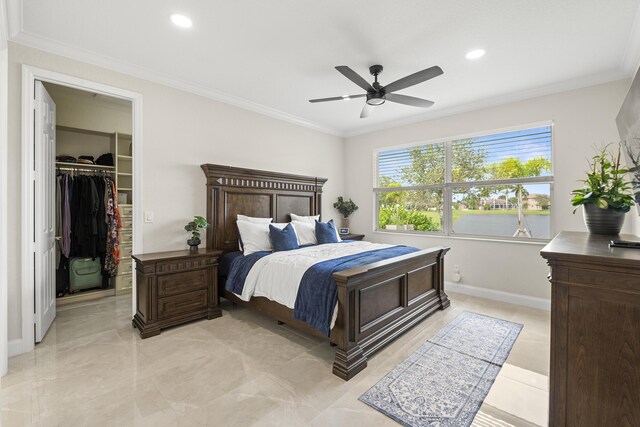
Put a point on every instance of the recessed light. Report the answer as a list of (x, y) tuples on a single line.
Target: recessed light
[(475, 54), (346, 97), (181, 20)]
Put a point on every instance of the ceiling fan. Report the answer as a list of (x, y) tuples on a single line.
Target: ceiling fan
[(378, 94)]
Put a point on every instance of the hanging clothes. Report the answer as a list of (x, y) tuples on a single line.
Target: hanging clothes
[(87, 223)]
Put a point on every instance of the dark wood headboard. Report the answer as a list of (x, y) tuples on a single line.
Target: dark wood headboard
[(232, 191)]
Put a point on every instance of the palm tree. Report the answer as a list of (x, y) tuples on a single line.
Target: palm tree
[(514, 168)]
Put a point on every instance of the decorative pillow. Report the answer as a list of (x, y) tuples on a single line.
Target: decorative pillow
[(326, 232), (306, 233), (255, 237), (253, 220), (312, 219), (283, 239)]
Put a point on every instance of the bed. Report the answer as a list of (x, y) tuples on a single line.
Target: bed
[(376, 302)]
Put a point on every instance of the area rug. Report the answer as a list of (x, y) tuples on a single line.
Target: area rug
[(444, 382)]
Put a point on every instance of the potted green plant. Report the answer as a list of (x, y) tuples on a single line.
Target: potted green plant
[(606, 196), (346, 208), (194, 228)]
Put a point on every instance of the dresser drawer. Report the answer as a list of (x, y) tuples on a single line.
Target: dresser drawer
[(127, 221), (125, 210), (179, 265), (124, 235), (182, 304), (125, 252), (180, 283), (125, 266), (124, 283)]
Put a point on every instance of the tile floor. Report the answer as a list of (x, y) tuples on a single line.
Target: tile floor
[(241, 369)]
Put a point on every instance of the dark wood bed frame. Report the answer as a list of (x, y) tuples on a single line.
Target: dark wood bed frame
[(376, 302)]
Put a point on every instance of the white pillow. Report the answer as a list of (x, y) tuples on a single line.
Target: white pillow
[(306, 232), (312, 219), (254, 220), (255, 237)]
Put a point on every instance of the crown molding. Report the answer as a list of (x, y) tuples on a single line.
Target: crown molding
[(496, 101), (103, 61), (631, 58)]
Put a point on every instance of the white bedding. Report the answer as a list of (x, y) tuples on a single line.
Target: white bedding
[(277, 276)]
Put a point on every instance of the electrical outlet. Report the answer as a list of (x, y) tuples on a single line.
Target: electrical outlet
[(148, 216)]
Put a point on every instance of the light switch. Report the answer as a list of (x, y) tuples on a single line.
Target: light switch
[(148, 216)]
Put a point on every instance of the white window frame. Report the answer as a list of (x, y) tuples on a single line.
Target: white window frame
[(448, 186)]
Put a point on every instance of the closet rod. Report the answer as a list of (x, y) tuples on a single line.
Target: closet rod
[(85, 170)]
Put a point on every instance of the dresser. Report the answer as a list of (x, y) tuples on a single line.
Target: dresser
[(175, 287), (595, 331), (351, 236), (124, 275)]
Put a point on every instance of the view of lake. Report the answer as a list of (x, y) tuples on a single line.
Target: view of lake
[(502, 225)]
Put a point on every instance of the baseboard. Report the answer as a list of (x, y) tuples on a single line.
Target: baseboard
[(527, 301), (14, 348)]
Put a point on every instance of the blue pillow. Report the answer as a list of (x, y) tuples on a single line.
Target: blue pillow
[(326, 232), (283, 240)]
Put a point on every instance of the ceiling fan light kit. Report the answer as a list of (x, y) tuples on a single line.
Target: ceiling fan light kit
[(377, 94)]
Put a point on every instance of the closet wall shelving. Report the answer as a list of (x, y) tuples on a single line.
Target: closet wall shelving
[(124, 187), (77, 142)]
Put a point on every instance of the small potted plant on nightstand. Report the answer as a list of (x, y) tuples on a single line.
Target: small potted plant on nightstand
[(606, 196), (194, 228), (346, 208)]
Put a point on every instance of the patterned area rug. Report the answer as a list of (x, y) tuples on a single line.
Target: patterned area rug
[(444, 382)]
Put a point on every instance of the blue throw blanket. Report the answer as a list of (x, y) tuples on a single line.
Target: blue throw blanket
[(317, 294)]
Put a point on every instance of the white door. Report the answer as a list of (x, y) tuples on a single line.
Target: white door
[(44, 233)]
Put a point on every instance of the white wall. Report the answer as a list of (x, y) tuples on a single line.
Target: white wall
[(581, 118), (181, 131)]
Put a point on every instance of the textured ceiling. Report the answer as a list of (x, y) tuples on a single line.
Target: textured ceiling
[(274, 55)]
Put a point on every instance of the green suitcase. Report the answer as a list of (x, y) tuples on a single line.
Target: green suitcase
[(84, 273)]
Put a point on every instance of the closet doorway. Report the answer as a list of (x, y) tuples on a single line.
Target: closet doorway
[(81, 199)]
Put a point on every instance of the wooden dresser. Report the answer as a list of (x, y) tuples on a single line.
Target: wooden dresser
[(352, 236), (174, 288), (595, 331)]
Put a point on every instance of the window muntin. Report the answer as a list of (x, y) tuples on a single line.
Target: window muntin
[(459, 187)]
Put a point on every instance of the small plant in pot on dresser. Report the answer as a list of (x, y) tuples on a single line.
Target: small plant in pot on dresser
[(194, 227), (606, 195), (346, 208)]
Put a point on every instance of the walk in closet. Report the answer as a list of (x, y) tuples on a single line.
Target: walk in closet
[(94, 195)]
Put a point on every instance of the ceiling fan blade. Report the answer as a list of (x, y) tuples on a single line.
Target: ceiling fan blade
[(337, 98), (355, 77), (413, 79), (366, 110), (409, 100)]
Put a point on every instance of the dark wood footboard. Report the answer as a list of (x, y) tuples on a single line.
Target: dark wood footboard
[(380, 301)]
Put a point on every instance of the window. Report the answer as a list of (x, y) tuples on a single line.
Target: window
[(496, 185)]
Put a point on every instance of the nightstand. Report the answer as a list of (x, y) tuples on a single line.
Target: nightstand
[(352, 236), (174, 288)]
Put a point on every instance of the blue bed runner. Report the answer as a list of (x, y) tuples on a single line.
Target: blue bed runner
[(317, 294)]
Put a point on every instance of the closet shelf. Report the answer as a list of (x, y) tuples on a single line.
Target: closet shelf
[(125, 189), (125, 173), (122, 156), (84, 166)]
